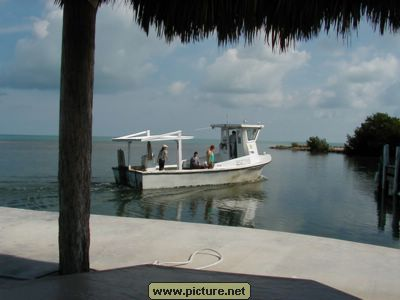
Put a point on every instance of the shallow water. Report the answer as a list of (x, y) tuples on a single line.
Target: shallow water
[(325, 195)]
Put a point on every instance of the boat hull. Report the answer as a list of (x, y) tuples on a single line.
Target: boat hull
[(195, 177)]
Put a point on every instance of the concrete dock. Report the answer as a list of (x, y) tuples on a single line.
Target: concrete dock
[(29, 250)]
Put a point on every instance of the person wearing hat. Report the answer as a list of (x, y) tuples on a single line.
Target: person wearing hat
[(162, 157)]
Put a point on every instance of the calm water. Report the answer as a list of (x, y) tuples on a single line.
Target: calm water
[(324, 195)]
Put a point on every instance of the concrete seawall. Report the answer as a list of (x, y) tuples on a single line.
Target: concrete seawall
[(365, 271)]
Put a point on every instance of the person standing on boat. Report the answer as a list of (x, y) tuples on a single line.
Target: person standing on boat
[(232, 145), (210, 157), (162, 157)]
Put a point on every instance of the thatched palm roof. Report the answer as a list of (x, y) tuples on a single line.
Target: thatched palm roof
[(281, 22)]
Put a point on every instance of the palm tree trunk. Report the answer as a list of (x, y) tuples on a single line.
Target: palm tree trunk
[(75, 135)]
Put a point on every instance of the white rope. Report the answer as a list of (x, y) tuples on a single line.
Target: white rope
[(191, 257)]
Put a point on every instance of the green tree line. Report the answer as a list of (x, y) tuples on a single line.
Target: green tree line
[(377, 130), (368, 139)]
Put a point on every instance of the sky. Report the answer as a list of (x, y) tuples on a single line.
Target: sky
[(323, 87)]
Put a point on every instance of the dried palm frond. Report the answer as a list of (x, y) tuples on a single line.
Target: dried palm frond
[(282, 22)]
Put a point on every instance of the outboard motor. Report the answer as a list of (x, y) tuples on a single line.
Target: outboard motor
[(122, 169)]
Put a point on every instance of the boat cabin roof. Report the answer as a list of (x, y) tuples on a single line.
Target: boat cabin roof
[(145, 136), (236, 126)]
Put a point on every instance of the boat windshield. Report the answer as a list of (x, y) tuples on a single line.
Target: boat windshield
[(252, 133)]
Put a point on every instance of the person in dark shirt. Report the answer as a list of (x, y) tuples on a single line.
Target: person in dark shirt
[(195, 161), (232, 145), (162, 157)]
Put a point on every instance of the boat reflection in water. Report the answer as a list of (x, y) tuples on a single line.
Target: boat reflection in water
[(233, 205)]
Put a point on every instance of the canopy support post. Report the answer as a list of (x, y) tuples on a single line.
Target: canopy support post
[(179, 151), (129, 154)]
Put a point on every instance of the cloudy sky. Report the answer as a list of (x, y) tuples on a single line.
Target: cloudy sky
[(324, 87)]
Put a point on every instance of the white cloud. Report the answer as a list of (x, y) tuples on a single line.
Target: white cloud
[(37, 57), (319, 96), (177, 87), (124, 54), (201, 63), (40, 28), (252, 75), (358, 84)]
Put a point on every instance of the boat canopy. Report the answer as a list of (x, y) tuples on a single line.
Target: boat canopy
[(145, 136)]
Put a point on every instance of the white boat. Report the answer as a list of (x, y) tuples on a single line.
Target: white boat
[(236, 160)]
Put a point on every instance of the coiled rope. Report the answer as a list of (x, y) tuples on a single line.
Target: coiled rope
[(205, 251)]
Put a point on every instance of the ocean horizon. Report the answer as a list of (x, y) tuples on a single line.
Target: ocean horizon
[(38, 137)]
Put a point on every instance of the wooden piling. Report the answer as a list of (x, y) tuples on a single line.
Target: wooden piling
[(395, 193), (388, 175), (395, 202), (385, 162), (396, 173)]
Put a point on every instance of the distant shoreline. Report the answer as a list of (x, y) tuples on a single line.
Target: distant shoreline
[(333, 149)]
